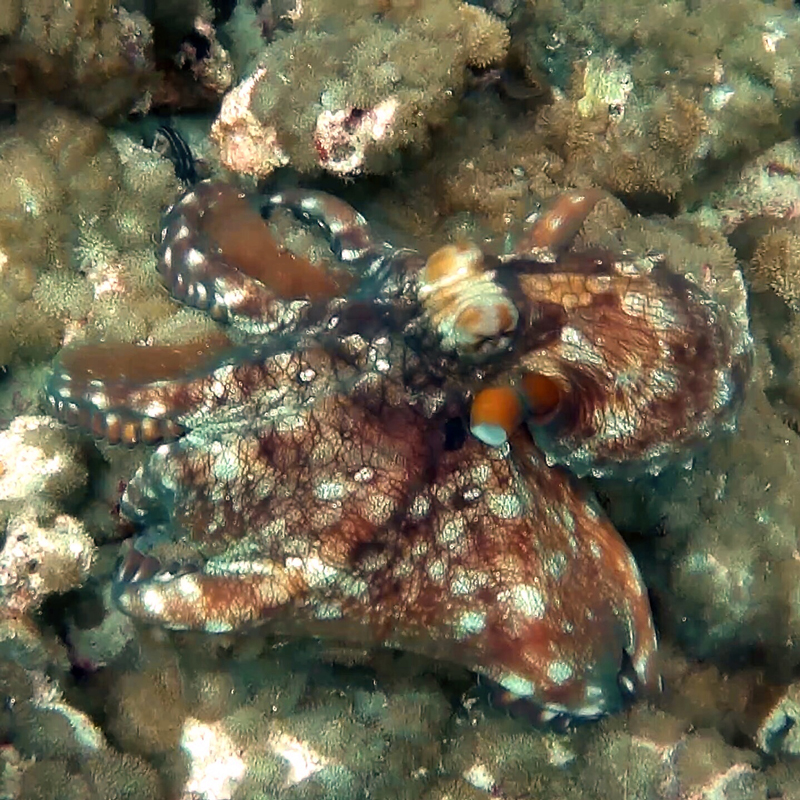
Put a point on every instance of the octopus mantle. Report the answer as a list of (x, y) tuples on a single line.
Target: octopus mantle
[(385, 453)]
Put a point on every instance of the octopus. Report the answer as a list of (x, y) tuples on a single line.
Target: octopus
[(388, 452)]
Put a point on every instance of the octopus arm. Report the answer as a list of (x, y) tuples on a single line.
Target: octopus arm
[(352, 521), (217, 254), (127, 394), (646, 367), (530, 583)]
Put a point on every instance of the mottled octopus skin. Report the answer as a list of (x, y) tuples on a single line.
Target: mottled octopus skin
[(319, 476)]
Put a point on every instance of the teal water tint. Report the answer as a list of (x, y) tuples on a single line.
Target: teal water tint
[(440, 121)]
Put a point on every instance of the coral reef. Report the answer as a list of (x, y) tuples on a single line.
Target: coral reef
[(651, 96), (720, 576), (75, 233), (442, 122), (91, 55), (349, 86)]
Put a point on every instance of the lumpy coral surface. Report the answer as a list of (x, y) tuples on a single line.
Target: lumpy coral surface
[(442, 124)]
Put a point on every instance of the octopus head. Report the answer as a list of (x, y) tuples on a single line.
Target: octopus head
[(468, 309)]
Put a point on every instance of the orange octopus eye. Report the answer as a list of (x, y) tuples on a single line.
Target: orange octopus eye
[(542, 395), (495, 414)]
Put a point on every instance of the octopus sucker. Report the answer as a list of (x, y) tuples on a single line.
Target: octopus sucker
[(197, 601), (128, 394), (391, 458)]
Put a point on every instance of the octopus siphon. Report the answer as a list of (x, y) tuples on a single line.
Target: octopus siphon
[(388, 451)]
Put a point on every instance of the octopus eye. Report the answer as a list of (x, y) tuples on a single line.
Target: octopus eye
[(468, 310), (484, 318), (495, 415), (498, 411), (542, 396)]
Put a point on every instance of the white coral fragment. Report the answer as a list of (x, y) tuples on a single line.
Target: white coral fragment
[(37, 460), (245, 145), (37, 561)]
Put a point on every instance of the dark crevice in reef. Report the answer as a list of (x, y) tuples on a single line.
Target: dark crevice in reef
[(223, 9), (650, 204)]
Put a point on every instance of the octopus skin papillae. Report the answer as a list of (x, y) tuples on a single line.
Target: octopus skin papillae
[(388, 452)]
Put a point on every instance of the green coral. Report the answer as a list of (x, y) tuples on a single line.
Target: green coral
[(76, 222), (411, 57), (653, 93)]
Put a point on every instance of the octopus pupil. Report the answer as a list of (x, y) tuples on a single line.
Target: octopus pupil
[(455, 434)]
